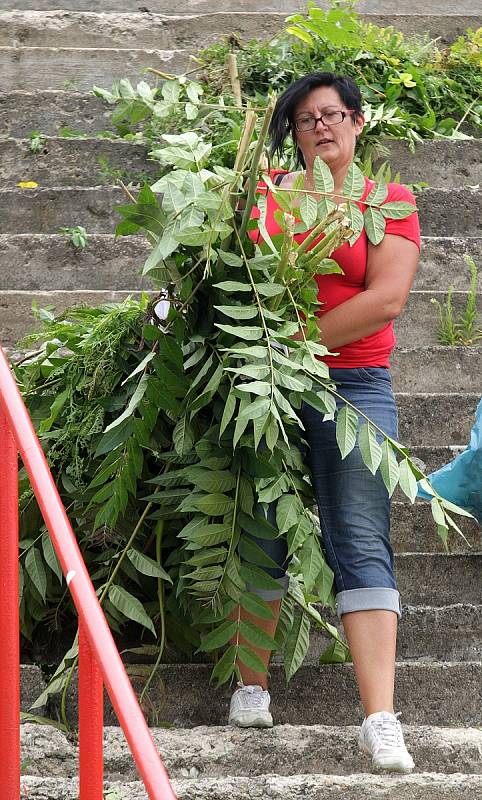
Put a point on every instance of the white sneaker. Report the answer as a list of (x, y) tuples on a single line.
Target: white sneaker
[(250, 708), (381, 737)]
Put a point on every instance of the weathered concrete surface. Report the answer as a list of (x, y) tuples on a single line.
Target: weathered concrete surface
[(32, 684), (417, 325), (74, 162), (154, 30), (421, 786), (442, 263), (427, 693), (437, 579), (48, 262), (35, 28), (74, 68), (284, 750), (426, 633), (456, 212), (49, 110), (427, 419), (392, 7), (443, 164), (437, 369), (70, 162), (413, 531)]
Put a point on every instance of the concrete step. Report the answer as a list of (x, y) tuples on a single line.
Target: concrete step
[(427, 693), (184, 30), (284, 750), (81, 68), (425, 633), (426, 7), (62, 161), (437, 368), (455, 212), (421, 786), (425, 419), (49, 262), (439, 579), (413, 530), (74, 162), (417, 325)]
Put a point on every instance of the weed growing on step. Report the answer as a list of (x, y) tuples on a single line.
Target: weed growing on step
[(36, 142), (460, 328), (78, 236)]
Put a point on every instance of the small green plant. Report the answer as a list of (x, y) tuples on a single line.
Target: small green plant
[(460, 328), (36, 143), (78, 236)]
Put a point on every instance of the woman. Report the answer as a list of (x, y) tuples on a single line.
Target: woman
[(322, 113)]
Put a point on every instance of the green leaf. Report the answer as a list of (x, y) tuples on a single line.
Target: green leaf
[(370, 450), (298, 533), (397, 210), (311, 561), (209, 535), (208, 556), (256, 605), (288, 512), (253, 553), (231, 259), (241, 421), (238, 312), (322, 176), (183, 437), (308, 210), (233, 286), (354, 183), (257, 526), (213, 505), (34, 567), (147, 565), (346, 429), (242, 331), (378, 194), (258, 577), (269, 289), (297, 644), (256, 636), (224, 668), (50, 555), (258, 407), (336, 653), (251, 659), (218, 637), (210, 480), (130, 607), (389, 468), (374, 225), (229, 409), (132, 405), (407, 480), (255, 387), (55, 410)]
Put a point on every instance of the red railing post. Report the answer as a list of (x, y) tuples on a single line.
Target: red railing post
[(9, 617), (91, 721)]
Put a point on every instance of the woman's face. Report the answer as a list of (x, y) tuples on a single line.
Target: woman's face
[(335, 144)]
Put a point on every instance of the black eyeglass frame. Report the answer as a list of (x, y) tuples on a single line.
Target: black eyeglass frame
[(344, 114)]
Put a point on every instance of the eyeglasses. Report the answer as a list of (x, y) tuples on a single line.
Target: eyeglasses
[(308, 122)]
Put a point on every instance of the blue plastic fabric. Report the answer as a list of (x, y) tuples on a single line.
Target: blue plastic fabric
[(460, 481)]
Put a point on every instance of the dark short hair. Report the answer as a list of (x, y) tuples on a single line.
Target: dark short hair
[(282, 122)]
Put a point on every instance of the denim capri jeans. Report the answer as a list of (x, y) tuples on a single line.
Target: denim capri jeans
[(353, 504)]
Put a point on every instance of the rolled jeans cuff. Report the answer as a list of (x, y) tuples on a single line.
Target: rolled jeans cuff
[(368, 599), (271, 594)]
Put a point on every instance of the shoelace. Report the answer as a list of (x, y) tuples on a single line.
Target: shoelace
[(389, 729), (256, 694)]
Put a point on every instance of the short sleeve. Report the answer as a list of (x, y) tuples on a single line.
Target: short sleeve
[(409, 227)]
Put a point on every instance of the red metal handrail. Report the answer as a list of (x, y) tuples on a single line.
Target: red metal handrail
[(99, 660)]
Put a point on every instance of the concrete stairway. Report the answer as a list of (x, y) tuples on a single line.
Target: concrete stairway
[(45, 84)]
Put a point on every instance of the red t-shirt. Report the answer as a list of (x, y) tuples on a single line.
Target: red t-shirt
[(373, 350)]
